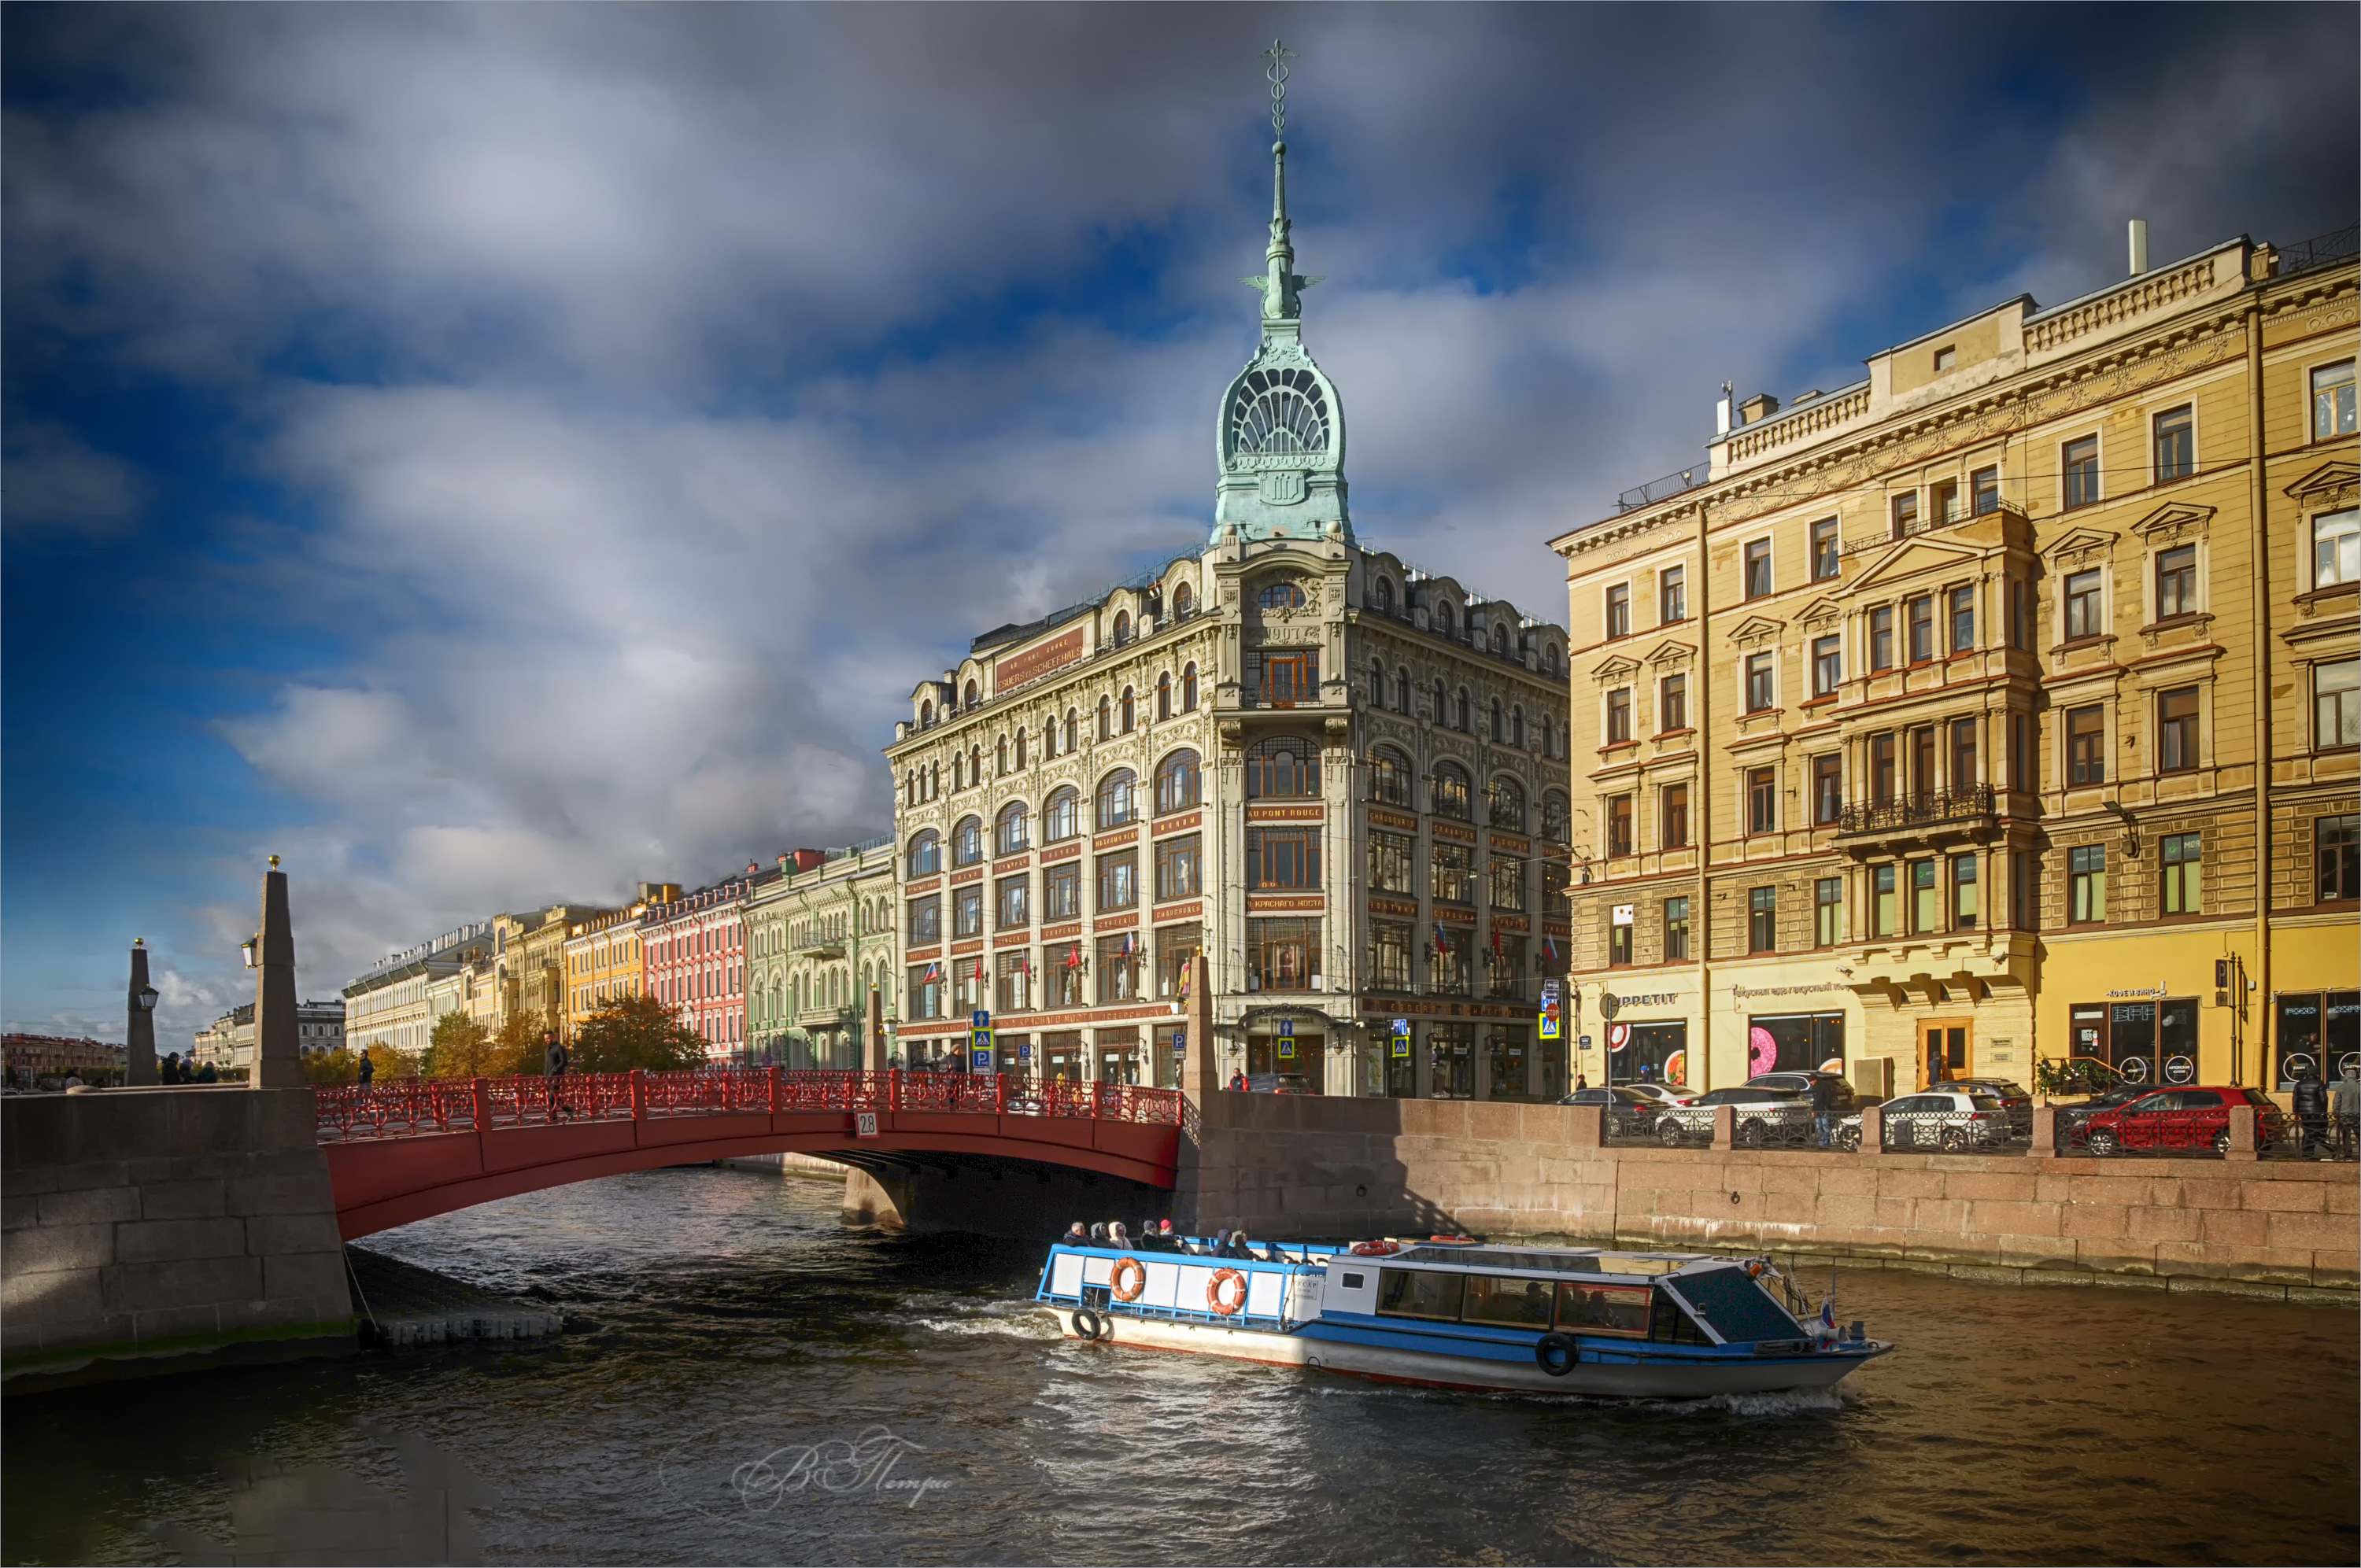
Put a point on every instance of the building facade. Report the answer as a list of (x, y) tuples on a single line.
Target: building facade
[(820, 938), (602, 955), (389, 1005), (228, 1043), (1338, 776), (1999, 708), (695, 949)]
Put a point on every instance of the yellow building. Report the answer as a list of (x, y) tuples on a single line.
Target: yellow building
[(1999, 706), (603, 958)]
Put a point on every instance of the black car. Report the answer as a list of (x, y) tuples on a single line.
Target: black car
[(1801, 1082), (2071, 1117), (1631, 1113)]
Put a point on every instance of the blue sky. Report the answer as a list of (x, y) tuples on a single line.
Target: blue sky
[(487, 455)]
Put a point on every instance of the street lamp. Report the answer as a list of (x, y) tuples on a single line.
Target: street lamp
[(251, 950), (147, 996)]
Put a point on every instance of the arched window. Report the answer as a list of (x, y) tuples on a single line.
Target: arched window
[(975, 765), (1126, 711), (925, 715), (1184, 602), (935, 782), (1442, 616), (1549, 658), (1062, 818), (926, 854), (1189, 689), (1073, 731), (1441, 705), (1280, 595), (1382, 597), (910, 787), (1020, 746), (1450, 790), (1505, 804), (1008, 838), (1176, 782), (1517, 727), (1118, 806), (1557, 823), (1000, 756), (1401, 689), (1376, 683), (967, 841), (1388, 777), (1465, 713), (971, 695), (1164, 696), (1499, 639), (1122, 627), (1280, 768), (1499, 723)]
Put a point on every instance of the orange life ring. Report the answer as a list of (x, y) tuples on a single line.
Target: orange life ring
[(1213, 1295), (1138, 1279), (1374, 1249)]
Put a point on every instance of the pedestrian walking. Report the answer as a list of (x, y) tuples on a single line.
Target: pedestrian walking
[(369, 1070), (1237, 1084), (553, 1068), (1824, 1109), (2344, 1112), (2312, 1111)]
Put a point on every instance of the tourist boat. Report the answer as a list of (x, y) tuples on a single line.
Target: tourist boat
[(1575, 1321)]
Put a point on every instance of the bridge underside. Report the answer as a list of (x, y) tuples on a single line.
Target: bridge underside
[(383, 1182)]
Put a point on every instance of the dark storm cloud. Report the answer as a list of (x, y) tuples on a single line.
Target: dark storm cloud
[(652, 394)]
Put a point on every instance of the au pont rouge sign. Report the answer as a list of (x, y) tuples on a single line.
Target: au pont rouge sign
[(1037, 661)]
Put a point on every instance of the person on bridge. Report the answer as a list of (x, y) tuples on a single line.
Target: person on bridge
[(553, 1068), (369, 1070), (1237, 1084)]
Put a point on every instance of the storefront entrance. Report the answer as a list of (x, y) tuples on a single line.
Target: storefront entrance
[(1943, 1050), (1062, 1056), (1450, 1061), (1504, 1052), (1304, 1055), (1648, 1053), (2316, 1032), (1118, 1056)]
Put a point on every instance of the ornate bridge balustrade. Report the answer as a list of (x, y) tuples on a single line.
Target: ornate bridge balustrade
[(405, 1150)]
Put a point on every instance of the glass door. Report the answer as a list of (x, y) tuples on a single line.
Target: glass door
[(1943, 1050), (2131, 1040)]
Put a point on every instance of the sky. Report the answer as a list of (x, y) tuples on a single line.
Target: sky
[(487, 455)]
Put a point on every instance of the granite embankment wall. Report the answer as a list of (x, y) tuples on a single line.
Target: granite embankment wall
[(1289, 1167), (140, 1224)]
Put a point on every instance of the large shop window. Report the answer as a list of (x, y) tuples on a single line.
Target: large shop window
[(1284, 955), (1281, 767), (1648, 1053), (2316, 1032), (1450, 1061), (2145, 1042), (1796, 1042), (1283, 677), (1176, 946), (1283, 857)]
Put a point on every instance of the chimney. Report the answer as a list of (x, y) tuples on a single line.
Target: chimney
[(2139, 245), (1762, 405), (1722, 412)]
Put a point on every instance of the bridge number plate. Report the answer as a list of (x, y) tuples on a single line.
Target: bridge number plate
[(865, 1123)]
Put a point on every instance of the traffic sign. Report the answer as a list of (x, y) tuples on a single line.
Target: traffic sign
[(1179, 1042), (981, 1019), (1287, 1048), (1287, 1030), (1549, 1024), (1401, 1028)]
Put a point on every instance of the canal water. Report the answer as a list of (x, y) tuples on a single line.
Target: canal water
[(745, 1380)]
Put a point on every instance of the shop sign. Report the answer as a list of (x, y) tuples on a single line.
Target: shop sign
[(1610, 1004), (1740, 992), (2157, 992)]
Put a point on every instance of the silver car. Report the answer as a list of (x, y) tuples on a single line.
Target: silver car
[(1953, 1120), (1760, 1117)]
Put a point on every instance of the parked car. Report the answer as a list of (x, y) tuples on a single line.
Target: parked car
[(1277, 1083), (1630, 1113), (1801, 1082), (1662, 1094), (1952, 1120), (1761, 1116), (2015, 1101), (2074, 1120), (2182, 1119)]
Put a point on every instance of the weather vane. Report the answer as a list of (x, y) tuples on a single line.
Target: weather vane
[(1278, 54)]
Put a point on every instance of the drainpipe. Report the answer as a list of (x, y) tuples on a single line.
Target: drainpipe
[(2258, 547), (1701, 912)]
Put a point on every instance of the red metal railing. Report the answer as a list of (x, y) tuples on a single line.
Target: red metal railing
[(410, 1107)]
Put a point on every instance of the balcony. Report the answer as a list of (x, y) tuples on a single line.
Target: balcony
[(1964, 810)]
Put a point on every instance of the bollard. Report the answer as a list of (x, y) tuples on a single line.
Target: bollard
[(2045, 1132), (1872, 1129), (2242, 1132), (1725, 1128)]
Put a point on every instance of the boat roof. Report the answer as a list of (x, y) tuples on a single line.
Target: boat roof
[(1551, 1260)]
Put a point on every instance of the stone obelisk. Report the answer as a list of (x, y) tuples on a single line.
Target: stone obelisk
[(278, 1053), (140, 1025)]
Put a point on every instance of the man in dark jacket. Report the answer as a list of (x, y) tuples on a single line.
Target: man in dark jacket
[(553, 1068), (1824, 1109), (2312, 1110), (369, 1070)]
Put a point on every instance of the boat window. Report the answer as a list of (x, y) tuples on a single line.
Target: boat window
[(1507, 1301), (1414, 1293), (1352, 1281), (1738, 1308), (1668, 1324), (1604, 1310)]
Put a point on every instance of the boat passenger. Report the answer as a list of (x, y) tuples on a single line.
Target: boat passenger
[(1117, 1237), (1075, 1235), (1237, 1246), (1098, 1233)]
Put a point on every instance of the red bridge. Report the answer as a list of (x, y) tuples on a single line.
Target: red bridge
[(417, 1147)]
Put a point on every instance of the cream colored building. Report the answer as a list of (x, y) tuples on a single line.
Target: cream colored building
[(1339, 777), (395, 1001), (820, 938), (1998, 706)]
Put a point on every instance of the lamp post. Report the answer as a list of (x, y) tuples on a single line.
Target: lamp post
[(139, 1023)]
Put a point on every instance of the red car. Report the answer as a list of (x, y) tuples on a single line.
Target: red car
[(2182, 1119)]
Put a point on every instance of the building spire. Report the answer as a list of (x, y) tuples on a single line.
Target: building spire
[(1282, 286)]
